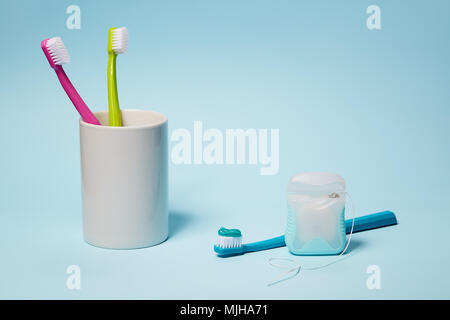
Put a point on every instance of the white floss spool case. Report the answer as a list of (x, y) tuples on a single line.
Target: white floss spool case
[(316, 214)]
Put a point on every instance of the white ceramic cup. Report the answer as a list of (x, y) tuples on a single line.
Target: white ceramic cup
[(125, 180)]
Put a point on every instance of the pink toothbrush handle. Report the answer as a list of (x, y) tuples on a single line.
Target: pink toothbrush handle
[(79, 104)]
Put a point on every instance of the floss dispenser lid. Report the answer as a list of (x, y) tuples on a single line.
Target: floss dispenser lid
[(316, 182)]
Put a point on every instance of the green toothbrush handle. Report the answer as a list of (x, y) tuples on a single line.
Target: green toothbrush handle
[(115, 117)]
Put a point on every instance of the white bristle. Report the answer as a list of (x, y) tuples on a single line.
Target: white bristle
[(120, 40), (228, 242), (58, 51)]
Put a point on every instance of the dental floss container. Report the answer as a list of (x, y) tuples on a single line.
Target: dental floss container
[(316, 214)]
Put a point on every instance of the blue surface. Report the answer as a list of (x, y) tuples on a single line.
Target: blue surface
[(372, 106)]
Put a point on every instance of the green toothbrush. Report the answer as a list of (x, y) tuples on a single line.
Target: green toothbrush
[(117, 44)]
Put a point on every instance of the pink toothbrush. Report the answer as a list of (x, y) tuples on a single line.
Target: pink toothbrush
[(57, 54)]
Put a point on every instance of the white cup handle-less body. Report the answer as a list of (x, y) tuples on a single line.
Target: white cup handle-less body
[(125, 180)]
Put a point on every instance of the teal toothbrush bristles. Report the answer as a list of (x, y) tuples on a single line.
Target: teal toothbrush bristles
[(229, 241), (229, 238)]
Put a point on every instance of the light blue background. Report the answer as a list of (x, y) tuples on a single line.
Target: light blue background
[(369, 105)]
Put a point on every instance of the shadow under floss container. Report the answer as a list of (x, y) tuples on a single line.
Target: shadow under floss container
[(316, 214), (125, 180)]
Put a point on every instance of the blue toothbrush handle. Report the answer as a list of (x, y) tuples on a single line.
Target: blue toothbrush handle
[(371, 221), (265, 244)]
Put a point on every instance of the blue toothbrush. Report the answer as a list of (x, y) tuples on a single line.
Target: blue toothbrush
[(229, 241)]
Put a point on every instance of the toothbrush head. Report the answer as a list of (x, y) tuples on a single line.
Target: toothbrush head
[(229, 242), (118, 40), (55, 51)]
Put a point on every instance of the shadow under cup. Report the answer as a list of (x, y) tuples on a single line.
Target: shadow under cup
[(124, 173)]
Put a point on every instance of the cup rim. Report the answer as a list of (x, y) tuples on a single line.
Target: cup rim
[(137, 127)]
